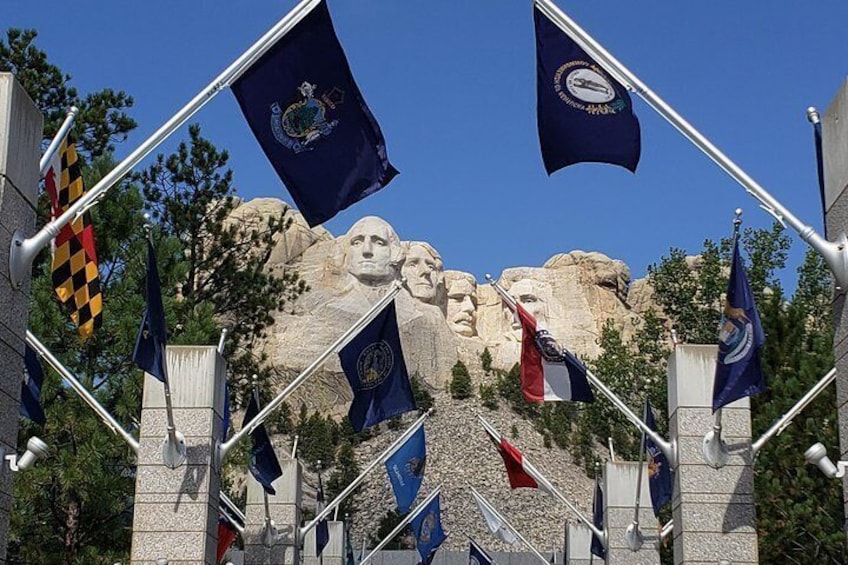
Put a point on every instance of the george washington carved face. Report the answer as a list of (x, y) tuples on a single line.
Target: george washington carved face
[(373, 251)]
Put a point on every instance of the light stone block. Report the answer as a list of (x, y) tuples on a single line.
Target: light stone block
[(578, 542), (284, 509), (333, 554)]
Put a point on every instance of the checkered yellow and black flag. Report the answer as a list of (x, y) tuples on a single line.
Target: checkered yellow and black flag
[(75, 275)]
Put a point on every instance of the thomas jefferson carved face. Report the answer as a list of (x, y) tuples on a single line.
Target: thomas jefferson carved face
[(373, 251), (462, 307), (424, 272)]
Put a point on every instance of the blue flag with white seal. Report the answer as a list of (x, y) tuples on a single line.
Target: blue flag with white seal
[(374, 366), (31, 388), (149, 352), (264, 465), (427, 527), (659, 472), (583, 114), (406, 469), (308, 114), (739, 371)]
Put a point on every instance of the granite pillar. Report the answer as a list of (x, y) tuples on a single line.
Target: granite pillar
[(578, 541), (620, 480), (834, 142), (20, 151), (285, 509), (713, 509), (333, 554), (176, 510)]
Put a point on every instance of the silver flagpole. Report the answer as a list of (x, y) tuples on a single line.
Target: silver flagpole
[(23, 250), (399, 528), (545, 483), (668, 448), (783, 422), (632, 535), (355, 483), (835, 253), (343, 340), (506, 523), (44, 163)]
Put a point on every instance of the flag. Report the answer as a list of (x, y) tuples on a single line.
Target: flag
[(263, 465), (494, 521), (374, 365), (659, 473), (738, 369), (31, 388), (478, 556), (149, 353), (597, 547), (349, 557), (74, 266), (583, 114), (406, 469), (549, 372), (226, 536), (519, 475), (322, 530), (817, 138), (427, 527), (303, 106), (226, 415)]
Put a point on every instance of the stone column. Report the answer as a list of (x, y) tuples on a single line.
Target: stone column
[(333, 554), (713, 509), (834, 141), (176, 510), (578, 541), (285, 509), (20, 151), (619, 504)]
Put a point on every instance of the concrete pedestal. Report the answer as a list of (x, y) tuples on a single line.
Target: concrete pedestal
[(713, 509), (620, 481), (333, 554), (20, 143), (285, 508), (176, 510), (578, 541)]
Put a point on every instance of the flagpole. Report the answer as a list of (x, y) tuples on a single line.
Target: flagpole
[(835, 253), (23, 250), (632, 535), (269, 529), (491, 509), (783, 422), (44, 163), (356, 482), (539, 477), (403, 523), (344, 339), (668, 448)]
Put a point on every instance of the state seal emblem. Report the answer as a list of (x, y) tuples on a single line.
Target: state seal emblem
[(427, 526), (585, 86), (736, 335), (306, 120), (415, 466), (374, 364)]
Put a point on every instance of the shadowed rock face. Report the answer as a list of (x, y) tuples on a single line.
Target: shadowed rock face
[(443, 315)]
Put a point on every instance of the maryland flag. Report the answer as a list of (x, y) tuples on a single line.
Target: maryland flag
[(75, 275)]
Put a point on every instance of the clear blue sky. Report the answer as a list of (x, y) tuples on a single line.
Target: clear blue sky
[(452, 84)]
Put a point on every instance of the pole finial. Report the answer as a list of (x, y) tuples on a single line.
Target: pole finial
[(489, 277), (737, 221), (813, 115)]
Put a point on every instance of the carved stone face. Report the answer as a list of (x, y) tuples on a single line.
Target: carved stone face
[(373, 251), (527, 293), (423, 273), (462, 307)]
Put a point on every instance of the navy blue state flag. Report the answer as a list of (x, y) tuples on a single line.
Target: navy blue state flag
[(264, 465), (31, 388), (149, 352), (817, 139), (739, 372), (307, 113), (477, 555), (597, 547), (583, 114), (659, 473), (406, 469), (427, 527), (374, 365), (322, 530)]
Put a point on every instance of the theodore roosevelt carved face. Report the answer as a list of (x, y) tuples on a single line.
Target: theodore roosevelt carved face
[(462, 305)]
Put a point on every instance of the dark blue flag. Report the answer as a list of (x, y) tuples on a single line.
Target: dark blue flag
[(583, 114), (738, 370), (406, 470), (817, 137), (659, 473), (477, 556), (322, 530), (149, 353), (597, 547), (427, 527), (307, 113), (31, 388), (374, 366), (226, 415), (263, 465)]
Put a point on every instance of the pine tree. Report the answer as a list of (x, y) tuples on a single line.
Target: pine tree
[(460, 384)]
